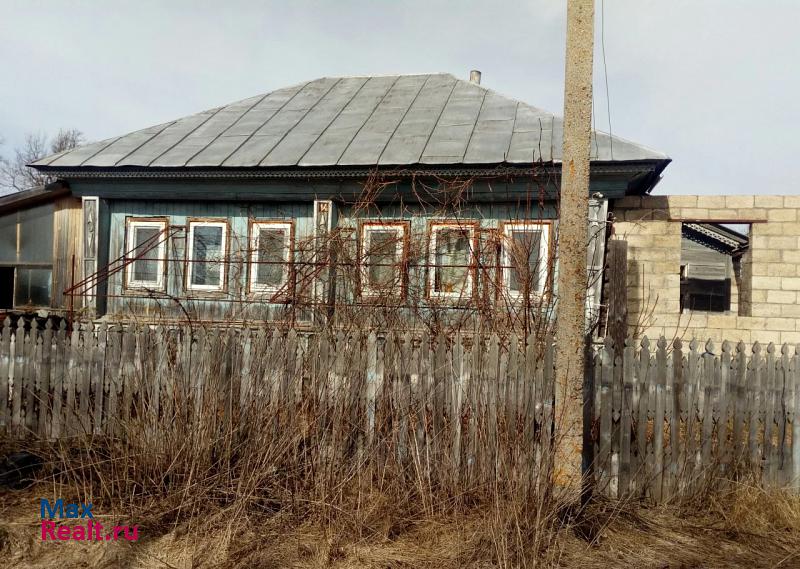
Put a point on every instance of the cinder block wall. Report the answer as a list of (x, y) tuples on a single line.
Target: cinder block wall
[(769, 300)]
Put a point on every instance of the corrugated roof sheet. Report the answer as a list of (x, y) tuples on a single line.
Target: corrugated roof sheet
[(398, 120)]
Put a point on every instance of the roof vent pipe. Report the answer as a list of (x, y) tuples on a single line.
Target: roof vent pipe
[(475, 77)]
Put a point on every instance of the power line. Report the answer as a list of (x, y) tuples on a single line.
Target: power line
[(605, 71)]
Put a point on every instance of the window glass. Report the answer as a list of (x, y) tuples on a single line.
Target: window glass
[(525, 250), (36, 235), (272, 257), (33, 287), (207, 255), (145, 241), (451, 259), (384, 248), (8, 238)]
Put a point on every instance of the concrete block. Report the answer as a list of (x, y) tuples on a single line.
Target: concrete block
[(754, 322), (764, 337), (723, 321), (693, 213), (694, 319), (768, 201), (636, 240), (772, 228), (754, 214), (766, 310), (711, 201), (784, 242), (781, 269), (782, 324), (790, 283), (792, 338), (781, 296), (767, 283), (791, 201), (682, 201), (739, 202), (667, 241), (783, 214), (790, 310), (763, 255), (790, 228)]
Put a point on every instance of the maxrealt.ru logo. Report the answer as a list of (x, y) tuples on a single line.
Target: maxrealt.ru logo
[(91, 531)]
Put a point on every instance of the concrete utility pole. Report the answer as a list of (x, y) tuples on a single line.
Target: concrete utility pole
[(572, 240)]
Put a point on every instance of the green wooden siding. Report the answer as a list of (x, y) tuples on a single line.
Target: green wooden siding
[(235, 303)]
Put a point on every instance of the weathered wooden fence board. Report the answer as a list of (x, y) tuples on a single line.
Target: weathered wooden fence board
[(686, 418), (667, 420)]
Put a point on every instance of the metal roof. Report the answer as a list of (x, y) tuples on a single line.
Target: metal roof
[(397, 120), (716, 237), (29, 198)]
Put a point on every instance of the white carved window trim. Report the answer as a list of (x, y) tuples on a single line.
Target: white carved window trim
[(400, 229), (190, 255), (544, 252), (161, 250), (255, 231)]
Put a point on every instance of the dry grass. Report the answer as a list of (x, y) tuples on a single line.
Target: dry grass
[(740, 526)]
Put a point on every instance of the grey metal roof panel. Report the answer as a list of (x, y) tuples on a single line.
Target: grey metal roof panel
[(332, 143), (277, 126), (166, 139), (291, 149), (125, 145), (491, 137), (370, 142), (352, 121), (81, 154), (205, 134)]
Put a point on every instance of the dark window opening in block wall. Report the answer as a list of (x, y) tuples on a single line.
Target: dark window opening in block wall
[(705, 295)]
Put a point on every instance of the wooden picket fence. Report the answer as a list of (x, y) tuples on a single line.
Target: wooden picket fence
[(667, 420), (671, 420), (481, 406)]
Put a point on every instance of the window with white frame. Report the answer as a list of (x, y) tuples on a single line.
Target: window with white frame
[(451, 272), (383, 251), (146, 245), (270, 256), (205, 255), (525, 257)]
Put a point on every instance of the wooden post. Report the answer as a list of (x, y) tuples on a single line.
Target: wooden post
[(617, 271), (573, 215)]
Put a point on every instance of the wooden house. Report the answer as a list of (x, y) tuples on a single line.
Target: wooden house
[(410, 191)]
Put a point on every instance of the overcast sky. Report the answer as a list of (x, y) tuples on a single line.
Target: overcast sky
[(713, 83)]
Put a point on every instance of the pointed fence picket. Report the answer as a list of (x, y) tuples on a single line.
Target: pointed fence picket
[(686, 418), (667, 417)]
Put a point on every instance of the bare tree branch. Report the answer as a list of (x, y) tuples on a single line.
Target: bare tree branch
[(15, 175)]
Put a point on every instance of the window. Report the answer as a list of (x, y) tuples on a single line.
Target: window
[(270, 256), (33, 287), (525, 257), (206, 249), (26, 257), (451, 263), (146, 247), (383, 252), (709, 294)]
